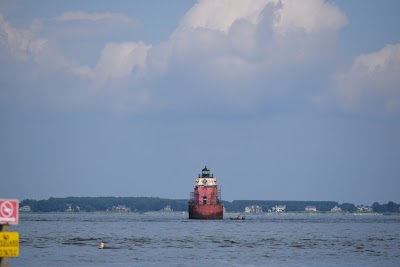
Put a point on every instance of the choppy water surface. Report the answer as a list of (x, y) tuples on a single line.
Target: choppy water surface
[(173, 240)]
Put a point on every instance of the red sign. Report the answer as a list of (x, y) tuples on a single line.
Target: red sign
[(9, 211)]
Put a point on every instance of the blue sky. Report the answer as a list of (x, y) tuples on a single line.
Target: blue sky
[(282, 100)]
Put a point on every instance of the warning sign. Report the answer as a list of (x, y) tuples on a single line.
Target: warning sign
[(9, 244), (9, 211)]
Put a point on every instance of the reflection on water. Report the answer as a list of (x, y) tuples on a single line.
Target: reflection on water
[(173, 240)]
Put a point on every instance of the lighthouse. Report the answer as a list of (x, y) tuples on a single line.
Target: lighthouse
[(205, 200)]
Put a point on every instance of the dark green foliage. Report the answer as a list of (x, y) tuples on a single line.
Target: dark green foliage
[(389, 207), (348, 207)]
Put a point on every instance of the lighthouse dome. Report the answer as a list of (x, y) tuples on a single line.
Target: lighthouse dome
[(205, 172)]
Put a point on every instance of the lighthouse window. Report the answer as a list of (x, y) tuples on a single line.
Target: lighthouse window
[(204, 200)]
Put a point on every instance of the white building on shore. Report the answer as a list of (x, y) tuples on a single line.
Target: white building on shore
[(120, 208), (25, 208), (311, 209), (336, 209), (279, 208), (167, 208), (364, 208), (253, 209)]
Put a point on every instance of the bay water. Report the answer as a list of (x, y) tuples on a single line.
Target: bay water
[(171, 239)]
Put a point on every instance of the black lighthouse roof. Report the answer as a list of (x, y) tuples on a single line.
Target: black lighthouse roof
[(205, 173)]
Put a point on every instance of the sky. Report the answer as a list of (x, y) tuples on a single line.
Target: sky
[(280, 99)]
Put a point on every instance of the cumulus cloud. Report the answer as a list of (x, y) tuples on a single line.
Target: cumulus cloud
[(231, 52), (117, 60), (308, 16), (23, 44), (372, 83), (273, 32), (239, 51), (117, 80), (220, 15)]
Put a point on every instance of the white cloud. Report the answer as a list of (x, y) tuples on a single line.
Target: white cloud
[(372, 83), (118, 60), (94, 28), (27, 45), (238, 51), (230, 52), (310, 16), (95, 17), (224, 51), (274, 33), (23, 44), (220, 15)]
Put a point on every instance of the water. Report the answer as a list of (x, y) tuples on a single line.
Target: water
[(170, 239)]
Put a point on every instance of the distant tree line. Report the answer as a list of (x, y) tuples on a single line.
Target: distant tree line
[(389, 207), (138, 204), (144, 204)]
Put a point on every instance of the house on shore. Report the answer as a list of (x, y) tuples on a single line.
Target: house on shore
[(167, 208), (120, 208), (364, 208), (253, 209), (25, 208), (279, 208), (311, 209), (336, 209)]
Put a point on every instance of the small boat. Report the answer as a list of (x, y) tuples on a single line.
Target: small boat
[(239, 217)]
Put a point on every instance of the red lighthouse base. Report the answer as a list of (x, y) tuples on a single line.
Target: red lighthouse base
[(206, 212)]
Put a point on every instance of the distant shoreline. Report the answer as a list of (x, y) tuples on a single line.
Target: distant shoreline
[(154, 204), (226, 213)]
